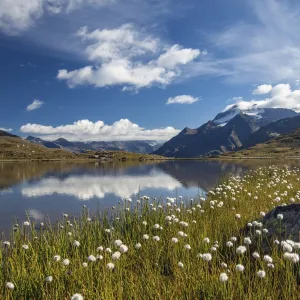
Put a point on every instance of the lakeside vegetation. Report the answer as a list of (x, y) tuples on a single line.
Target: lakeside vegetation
[(172, 248)]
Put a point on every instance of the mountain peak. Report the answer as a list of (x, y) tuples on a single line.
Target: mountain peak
[(261, 115)]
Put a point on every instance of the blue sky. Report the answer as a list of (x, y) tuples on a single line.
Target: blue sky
[(106, 69)]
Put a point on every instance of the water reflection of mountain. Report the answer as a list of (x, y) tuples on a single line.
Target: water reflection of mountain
[(203, 174)]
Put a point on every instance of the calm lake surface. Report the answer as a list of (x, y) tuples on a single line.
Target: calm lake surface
[(44, 189)]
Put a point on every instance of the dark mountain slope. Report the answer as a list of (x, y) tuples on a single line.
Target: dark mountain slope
[(272, 130), (210, 139)]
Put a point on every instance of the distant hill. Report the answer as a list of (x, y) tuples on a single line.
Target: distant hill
[(4, 133), (227, 132), (13, 147), (39, 141), (143, 147), (286, 145)]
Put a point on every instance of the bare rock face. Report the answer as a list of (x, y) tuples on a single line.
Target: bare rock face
[(286, 228), (282, 223)]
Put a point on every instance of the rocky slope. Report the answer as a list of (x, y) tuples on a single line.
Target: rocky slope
[(286, 145), (272, 131), (227, 132)]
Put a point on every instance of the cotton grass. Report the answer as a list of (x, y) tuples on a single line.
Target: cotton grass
[(152, 254)]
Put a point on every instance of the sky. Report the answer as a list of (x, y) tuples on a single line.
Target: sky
[(142, 69)]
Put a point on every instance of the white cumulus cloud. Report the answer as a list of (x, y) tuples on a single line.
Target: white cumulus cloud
[(85, 130), (88, 187), (262, 89), (182, 99), (6, 129), (34, 105), (128, 57), (19, 15), (280, 96)]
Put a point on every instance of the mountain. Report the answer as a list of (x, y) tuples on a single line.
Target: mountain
[(79, 147), (4, 133), (14, 147), (284, 146), (262, 116), (228, 131), (39, 141), (272, 131)]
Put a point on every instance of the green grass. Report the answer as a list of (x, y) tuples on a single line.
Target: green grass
[(152, 272)]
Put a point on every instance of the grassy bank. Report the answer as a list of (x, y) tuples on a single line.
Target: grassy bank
[(171, 249)]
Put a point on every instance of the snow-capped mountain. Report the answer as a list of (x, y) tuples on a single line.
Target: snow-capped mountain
[(228, 131), (263, 116)]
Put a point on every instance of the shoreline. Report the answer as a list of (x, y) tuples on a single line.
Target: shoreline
[(152, 159)]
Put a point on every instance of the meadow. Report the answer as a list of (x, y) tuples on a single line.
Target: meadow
[(173, 248)]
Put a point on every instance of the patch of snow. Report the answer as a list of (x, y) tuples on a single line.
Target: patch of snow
[(227, 117)]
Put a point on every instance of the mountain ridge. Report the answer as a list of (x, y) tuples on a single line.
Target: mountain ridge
[(228, 131), (144, 147)]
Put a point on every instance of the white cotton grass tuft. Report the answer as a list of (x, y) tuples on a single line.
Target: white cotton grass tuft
[(261, 274), (10, 285), (206, 257), (223, 277), (110, 266), (268, 259), (49, 279), (180, 264), (188, 247), (84, 264), (146, 237), (123, 248), (77, 297), (241, 250), (247, 241), (174, 240), (66, 262), (280, 216), (76, 244), (255, 255), (25, 247), (116, 255), (156, 238), (240, 268), (56, 258), (292, 257), (6, 243), (138, 246), (229, 244), (26, 223), (206, 240), (92, 258), (118, 243), (286, 247), (99, 249)]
